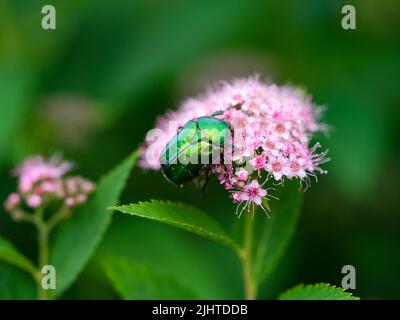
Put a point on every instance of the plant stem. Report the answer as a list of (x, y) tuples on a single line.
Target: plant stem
[(58, 217), (43, 248), (246, 258)]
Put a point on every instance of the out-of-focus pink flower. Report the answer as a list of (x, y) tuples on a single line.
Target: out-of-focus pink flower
[(36, 168), (48, 187), (77, 190), (41, 181)]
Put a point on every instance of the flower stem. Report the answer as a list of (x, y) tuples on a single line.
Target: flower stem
[(58, 217), (43, 248), (246, 258), (43, 242)]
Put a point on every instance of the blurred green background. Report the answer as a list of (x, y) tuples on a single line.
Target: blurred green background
[(94, 86)]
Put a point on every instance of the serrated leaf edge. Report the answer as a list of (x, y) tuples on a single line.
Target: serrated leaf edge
[(226, 240), (133, 158), (326, 285)]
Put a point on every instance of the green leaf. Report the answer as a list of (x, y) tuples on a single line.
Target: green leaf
[(16, 82), (277, 231), (320, 291), (15, 284), (77, 239), (136, 281), (180, 216), (10, 254)]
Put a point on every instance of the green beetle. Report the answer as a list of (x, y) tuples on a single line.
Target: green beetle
[(196, 145)]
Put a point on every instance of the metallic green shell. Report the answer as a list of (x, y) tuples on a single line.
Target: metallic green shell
[(193, 148)]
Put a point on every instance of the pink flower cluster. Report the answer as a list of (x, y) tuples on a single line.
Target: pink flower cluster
[(272, 126), (41, 181)]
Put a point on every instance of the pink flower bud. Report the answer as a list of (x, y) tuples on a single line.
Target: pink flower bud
[(80, 199), (12, 201), (259, 162), (88, 187), (242, 174), (69, 202), (36, 169), (34, 201)]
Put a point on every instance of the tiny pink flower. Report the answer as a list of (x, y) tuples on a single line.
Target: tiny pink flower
[(277, 167), (297, 167), (253, 192), (259, 162), (241, 184), (228, 185), (237, 197), (283, 129), (242, 174)]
